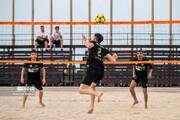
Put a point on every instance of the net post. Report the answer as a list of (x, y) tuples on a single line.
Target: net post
[(132, 27)]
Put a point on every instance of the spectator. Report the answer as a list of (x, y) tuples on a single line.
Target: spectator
[(42, 39), (56, 39)]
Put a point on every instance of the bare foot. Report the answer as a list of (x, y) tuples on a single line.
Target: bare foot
[(23, 106), (90, 111), (145, 107), (42, 104), (135, 102), (99, 97)]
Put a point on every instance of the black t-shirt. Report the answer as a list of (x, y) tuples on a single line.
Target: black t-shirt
[(96, 55), (141, 69), (33, 70)]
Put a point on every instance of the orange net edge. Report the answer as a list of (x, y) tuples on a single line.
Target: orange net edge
[(91, 23), (84, 62)]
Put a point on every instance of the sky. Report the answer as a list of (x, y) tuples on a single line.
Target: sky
[(61, 12)]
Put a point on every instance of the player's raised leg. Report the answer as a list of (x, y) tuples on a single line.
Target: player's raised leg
[(83, 90)]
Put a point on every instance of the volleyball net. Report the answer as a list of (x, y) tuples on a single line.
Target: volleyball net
[(158, 40), (83, 62), (115, 32), (129, 35)]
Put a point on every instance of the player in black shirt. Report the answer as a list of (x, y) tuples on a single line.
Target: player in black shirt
[(95, 68), (140, 76), (33, 76)]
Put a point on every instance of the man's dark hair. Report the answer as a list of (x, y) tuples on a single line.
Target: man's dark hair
[(41, 26), (56, 27), (99, 37), (33, 51)]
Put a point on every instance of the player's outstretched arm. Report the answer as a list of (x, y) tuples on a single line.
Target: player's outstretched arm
[(112, 58), (87, 44)]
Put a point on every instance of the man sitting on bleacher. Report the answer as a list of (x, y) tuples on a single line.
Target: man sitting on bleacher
[(56, 39), (42, 39)]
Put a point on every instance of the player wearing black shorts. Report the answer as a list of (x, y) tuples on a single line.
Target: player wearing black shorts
[(140, 76), (95, 68), (33, 76)]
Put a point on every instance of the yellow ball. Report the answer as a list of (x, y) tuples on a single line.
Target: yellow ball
[(100, 19)]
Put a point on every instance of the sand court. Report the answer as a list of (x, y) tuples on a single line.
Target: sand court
[(65, 103)]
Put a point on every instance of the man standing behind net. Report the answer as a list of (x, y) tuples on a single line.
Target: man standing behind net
[(33, 76), (140, 76)]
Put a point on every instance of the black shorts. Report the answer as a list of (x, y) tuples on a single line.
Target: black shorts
[(143, 81), (56, 42), (93, 75), (36, 83), (41, 42)]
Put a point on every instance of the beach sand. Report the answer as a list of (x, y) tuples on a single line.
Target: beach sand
[(65, 103)]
